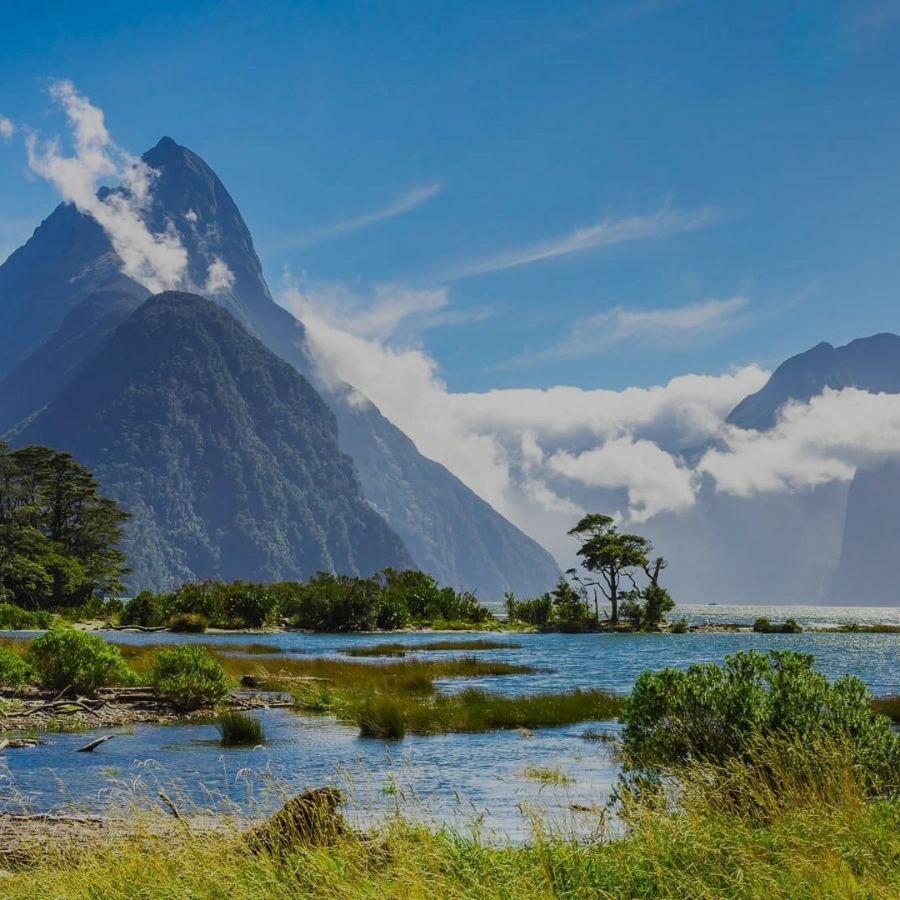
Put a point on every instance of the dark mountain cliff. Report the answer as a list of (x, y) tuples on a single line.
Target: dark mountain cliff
[(450, 532), (226, 456)]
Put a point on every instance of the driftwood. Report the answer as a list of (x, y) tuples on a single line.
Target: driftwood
[(146, 628), (88, 748), (309, 819)]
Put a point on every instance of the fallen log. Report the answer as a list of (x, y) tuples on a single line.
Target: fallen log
[(87, 748)]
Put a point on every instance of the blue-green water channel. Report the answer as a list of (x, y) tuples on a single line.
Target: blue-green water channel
[(458, 779)]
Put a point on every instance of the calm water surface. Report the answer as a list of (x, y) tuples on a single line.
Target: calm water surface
[(460, 779)]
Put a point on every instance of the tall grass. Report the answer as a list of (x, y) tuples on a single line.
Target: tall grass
[(820, 840), (237, 729), (397, 649)]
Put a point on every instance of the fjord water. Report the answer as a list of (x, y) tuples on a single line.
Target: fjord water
[(453, 778)]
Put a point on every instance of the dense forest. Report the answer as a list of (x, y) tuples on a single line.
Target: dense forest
[(58, 536)]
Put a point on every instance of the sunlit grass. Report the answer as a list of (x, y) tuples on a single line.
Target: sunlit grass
[(237, 729), (398, 649), (819, 838), (553, 775)]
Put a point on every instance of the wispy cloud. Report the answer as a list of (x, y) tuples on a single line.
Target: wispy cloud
[(694, 322), (603, 234), (387, 311), (7, 128), (399, 207)]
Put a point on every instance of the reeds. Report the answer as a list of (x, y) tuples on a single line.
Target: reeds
[(237, 729), (398, 649)]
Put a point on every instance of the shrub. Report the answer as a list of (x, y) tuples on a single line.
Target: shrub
[(236, 729), (712, 715), (188, 623), (763, 626), (15, 618), (64, 657), (382, 717), (680, 626), (144, 610), (14, 671), (249, 605), (188, 677)]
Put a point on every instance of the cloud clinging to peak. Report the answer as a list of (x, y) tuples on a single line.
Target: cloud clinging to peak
[(158, 261)]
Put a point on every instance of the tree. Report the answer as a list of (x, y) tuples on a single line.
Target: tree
[(59, 534), (610, 555), (617, 559)]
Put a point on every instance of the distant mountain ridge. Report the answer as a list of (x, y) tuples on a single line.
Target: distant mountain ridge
[(70, 274), (864, 572), (869, 364)]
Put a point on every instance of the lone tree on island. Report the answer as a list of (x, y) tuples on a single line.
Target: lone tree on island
[(613, 556)]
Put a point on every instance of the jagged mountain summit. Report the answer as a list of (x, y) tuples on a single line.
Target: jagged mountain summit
[(63, 294), (869, 364), (225, 455)]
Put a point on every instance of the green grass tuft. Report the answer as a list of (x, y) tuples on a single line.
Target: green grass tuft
[(237, 729)]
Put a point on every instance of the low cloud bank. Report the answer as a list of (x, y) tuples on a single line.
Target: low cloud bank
[(541, 457)]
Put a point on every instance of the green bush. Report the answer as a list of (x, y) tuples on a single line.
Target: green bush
[(14, 671), (15, 618), (189, 677), (713, 715), (63, 657), (144, 610), (763, 626), (188, 623), (382, 717)]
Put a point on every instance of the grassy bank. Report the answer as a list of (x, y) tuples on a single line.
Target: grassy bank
[(394, 648), (812, 845)]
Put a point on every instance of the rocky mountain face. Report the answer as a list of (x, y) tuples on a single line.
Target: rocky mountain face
[(225, 455), (859, 570), (63, 294)]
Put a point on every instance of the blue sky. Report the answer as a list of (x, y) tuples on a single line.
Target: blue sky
[(590, 194)]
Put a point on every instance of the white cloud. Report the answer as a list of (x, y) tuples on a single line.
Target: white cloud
[(7, 128), (532, 454), (541, 457), (402, 205), (158, 261), (391, 311), (603, 234), (812, 443), (220, 278)]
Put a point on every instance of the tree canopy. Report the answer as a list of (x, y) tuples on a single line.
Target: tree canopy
[(617, 559), (58, 535)]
